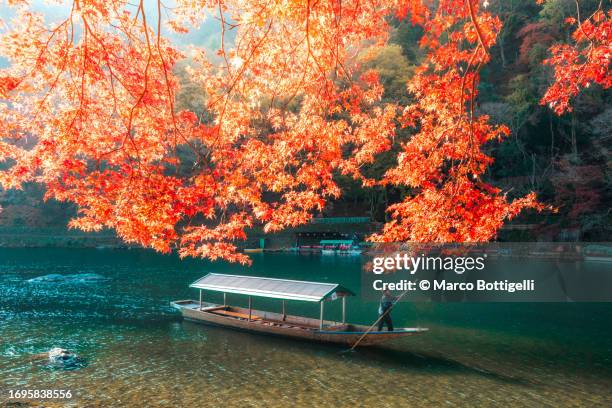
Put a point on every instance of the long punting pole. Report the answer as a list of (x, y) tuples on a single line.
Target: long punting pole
[(321, 321), (343, 309), (250, 304), (379, 318), (200, 299)]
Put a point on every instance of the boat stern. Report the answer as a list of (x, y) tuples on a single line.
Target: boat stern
[(184, 304)]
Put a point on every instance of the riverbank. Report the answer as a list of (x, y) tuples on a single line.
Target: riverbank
[(57, 237), (62, 237)]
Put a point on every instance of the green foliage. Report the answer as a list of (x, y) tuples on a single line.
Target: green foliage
[(393, 68), (522, 99), (407, 35), (555, 12), (190, 97)]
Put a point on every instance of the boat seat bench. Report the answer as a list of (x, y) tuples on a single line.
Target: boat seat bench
[(222, 311), (236, 314)]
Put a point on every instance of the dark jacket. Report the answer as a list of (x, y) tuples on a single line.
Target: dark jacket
[(385, 303)]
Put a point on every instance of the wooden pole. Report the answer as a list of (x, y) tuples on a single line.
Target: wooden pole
[(379, 318), (284, 313), (321, 321), (200, 299), (250, 304), (343, 309)]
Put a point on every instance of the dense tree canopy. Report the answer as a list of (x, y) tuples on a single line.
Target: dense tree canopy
[(93, 108)]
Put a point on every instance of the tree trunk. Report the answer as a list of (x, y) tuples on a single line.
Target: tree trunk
[(386, 198), (552, 136), (502, 52), (573, 135)]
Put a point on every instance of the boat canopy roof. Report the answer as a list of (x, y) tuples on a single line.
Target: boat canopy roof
[(271, 287)]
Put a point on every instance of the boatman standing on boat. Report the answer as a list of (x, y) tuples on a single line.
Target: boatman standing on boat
[(384, 310)]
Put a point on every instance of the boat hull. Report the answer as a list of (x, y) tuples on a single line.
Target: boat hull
[(296, 327)]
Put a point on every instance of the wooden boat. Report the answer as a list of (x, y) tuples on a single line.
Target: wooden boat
[(598, 253), (281, 324)]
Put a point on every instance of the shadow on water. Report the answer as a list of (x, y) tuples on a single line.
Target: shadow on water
[(385, 357), (408, 360)]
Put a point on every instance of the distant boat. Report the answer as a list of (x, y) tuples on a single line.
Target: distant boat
[(281, 324), (597, 253), (340, 247), (310, 248), (253, 250)]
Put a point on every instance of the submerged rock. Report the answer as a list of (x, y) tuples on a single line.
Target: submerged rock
[(62, 358), (53, 277), (86, 277), (73, 278)]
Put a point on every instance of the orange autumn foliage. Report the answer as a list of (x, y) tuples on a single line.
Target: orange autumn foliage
[(579, 65), (444, 161), (88, 110)]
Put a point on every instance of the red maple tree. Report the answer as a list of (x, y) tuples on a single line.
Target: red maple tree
[(88, 110), (583, 63)]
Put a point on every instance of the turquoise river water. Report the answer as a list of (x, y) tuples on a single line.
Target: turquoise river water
[(138, 352)]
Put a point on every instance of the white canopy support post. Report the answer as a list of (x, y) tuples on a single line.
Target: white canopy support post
[(200, 299), (284, 312), (343, 309), (250, 308), (224, 299), (321, 321)]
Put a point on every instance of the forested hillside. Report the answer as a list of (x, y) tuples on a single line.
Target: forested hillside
[(565, 159)]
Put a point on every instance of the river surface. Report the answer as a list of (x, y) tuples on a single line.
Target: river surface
[(114, 312)]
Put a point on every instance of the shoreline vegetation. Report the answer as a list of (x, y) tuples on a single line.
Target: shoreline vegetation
[(62, 237), (57, 237)]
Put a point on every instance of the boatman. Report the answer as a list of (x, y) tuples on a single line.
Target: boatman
[(384, 310)]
